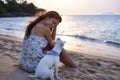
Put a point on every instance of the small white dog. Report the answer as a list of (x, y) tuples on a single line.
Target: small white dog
[(49, 61)]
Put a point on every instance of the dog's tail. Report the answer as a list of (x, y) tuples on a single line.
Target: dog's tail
[(33, 76)]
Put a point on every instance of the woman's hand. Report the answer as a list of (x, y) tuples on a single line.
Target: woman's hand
[(53, 34)]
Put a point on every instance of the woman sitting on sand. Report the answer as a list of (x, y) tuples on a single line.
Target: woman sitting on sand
[(38, 39)]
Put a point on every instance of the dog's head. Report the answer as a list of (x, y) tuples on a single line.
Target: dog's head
[(57, 48), (59, 42)]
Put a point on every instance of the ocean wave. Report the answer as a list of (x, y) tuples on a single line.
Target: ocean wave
[(12, 29), (85, 38), (112, 43), (82, 37)]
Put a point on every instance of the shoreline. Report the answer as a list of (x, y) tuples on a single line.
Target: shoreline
[(91, 47), (90, 66), (10, 37)]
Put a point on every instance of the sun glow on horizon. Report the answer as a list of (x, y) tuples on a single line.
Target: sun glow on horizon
[(61, 2), (58, 4), (84, 7)]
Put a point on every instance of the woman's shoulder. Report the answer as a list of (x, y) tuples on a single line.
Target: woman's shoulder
[(42, 28)]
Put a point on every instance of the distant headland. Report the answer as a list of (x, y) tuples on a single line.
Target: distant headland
[(15, 8)]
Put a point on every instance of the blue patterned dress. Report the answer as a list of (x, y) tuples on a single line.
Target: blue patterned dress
[(32, 52)]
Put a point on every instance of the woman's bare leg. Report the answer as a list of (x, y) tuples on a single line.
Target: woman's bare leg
[(66, 59)]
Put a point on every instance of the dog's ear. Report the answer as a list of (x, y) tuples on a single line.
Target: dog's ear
[(64, 42), (58, 39), (61, 40)]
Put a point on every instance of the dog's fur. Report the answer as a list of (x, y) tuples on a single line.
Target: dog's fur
[(43, 69)]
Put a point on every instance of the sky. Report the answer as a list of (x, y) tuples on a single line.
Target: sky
[(80, 7)]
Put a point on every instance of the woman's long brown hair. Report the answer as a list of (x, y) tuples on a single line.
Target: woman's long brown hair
[(49, 14)]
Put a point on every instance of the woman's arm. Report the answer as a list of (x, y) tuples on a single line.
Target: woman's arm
[(47, 33), (53, 34)]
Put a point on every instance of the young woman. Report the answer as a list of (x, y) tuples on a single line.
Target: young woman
[(38, 39)]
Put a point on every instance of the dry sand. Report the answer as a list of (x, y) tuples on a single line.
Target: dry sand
[(90, 67)]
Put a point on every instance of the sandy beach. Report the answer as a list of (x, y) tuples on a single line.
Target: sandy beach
[(89, 67)]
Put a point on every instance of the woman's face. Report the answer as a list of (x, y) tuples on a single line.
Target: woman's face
[(52, 22)]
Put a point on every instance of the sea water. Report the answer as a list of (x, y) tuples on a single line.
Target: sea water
[(91, 34)]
